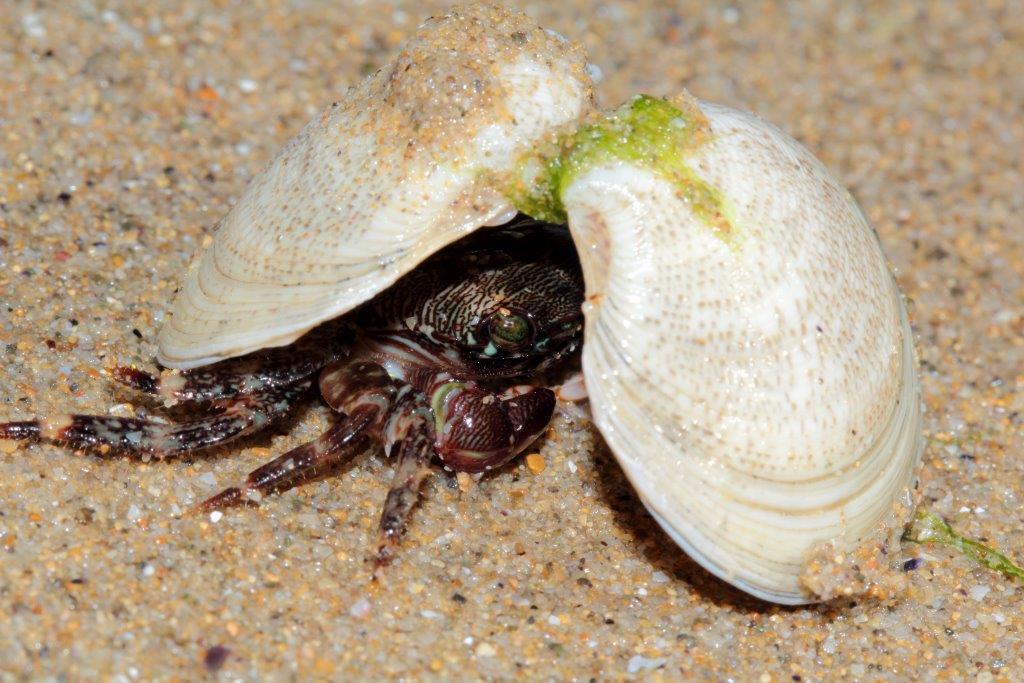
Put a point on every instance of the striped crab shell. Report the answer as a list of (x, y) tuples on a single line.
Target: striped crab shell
[(746, 351)]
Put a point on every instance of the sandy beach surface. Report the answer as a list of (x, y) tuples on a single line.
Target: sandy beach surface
[(128, 128)]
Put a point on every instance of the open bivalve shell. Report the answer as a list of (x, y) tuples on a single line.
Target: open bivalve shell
[(747, 353)]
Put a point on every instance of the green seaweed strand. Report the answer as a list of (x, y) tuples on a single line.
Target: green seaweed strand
[(650, 132), (928, 527)]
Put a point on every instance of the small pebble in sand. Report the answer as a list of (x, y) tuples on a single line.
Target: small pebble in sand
[(215, 657), (535, 462), (979, 592), (360, 608), (638, 663)]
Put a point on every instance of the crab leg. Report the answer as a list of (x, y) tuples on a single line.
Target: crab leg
[(136, 437), (411, 427), (361, 390), (300, 465), (255, 372)]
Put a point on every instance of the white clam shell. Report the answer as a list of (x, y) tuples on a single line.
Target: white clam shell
[(395, 170), (758, 388)]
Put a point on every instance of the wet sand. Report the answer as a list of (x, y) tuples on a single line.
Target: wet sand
[(127, 131)]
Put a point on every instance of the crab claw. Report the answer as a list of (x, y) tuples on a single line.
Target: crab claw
[(479, 431)]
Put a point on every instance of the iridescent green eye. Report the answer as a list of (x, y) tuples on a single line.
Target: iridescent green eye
[(509, 330)]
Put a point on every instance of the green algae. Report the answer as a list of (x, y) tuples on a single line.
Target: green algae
[(653, 133), (927, 527)]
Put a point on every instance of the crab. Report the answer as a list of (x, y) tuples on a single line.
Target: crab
[(436, 367)]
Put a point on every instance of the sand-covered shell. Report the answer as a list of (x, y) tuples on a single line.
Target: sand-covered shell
[(397, 168), (746, 350)]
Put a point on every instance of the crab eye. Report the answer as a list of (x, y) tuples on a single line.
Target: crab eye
[(509, 330)]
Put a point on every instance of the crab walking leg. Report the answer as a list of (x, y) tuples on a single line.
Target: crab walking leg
[(300, 465), (260, 371), (26, 430), (135, 437), (361, 390), (411, 428)]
